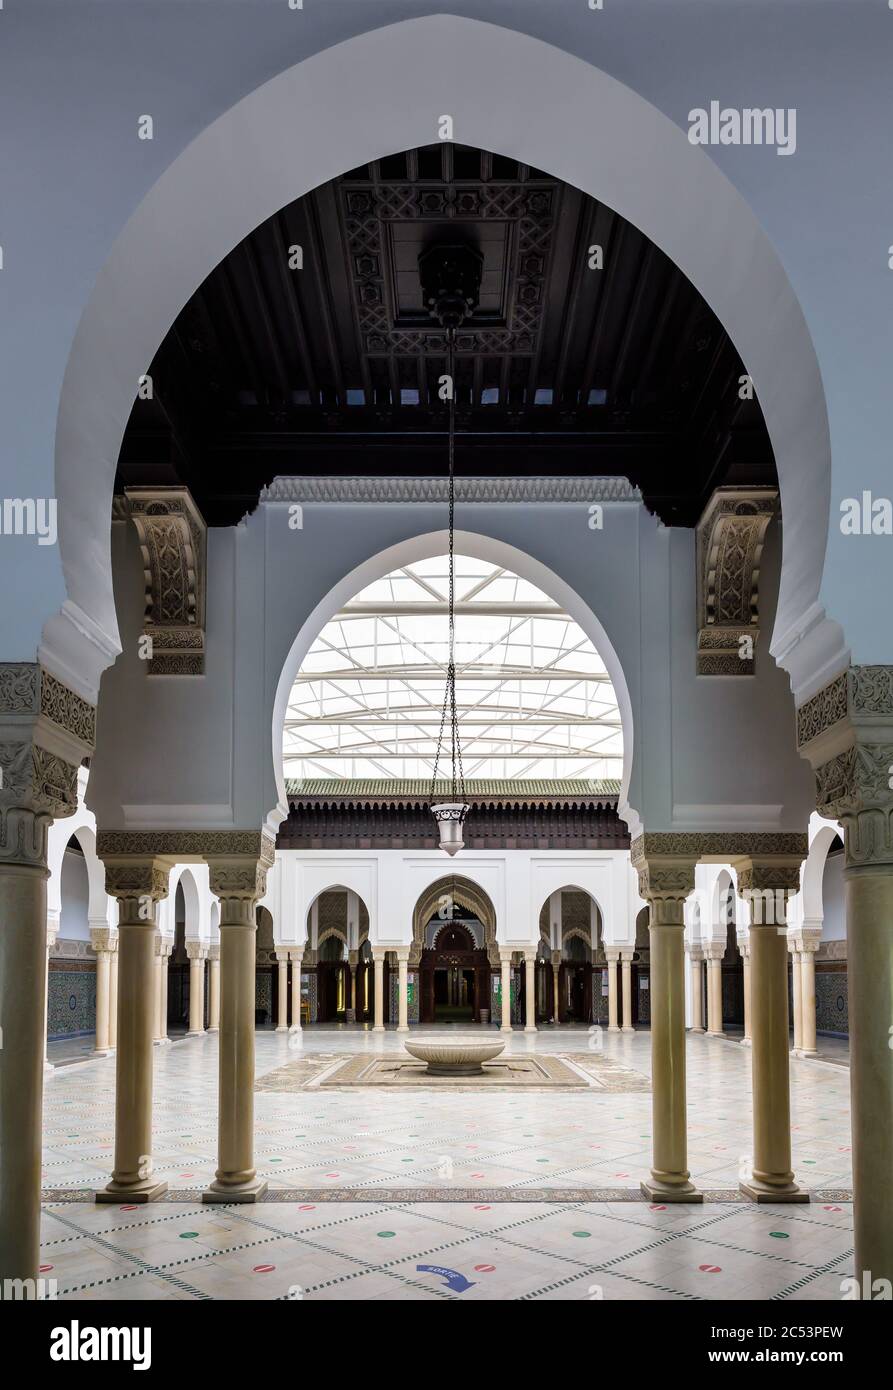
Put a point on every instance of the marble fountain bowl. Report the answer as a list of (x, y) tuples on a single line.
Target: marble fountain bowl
[(455, 1056)]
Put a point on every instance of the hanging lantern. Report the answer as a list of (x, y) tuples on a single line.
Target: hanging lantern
[(451, 278), (450, 817)]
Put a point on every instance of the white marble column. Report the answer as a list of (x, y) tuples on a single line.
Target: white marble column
[(556, 986), (113, 993), (529, 991), (696, 965), (378, 1001), (809, 945), (626, 959), (296, 959), (612, 955), (100, 942), (402, 991), (714, 953), (505, 966), (282, 992), (196, 953)]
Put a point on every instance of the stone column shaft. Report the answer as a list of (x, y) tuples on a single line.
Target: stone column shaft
[(238, 883), (556, 987), (138, 884), (665, 881), (765, 883)]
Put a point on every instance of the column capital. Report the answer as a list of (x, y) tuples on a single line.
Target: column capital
[(100, 939), (505, 956), (214, 952), (846, 733), (612, 954), (196, 950), (46, 731), (665, 864), (402, 954), (714, 950), (138, 882), (808, 942), (296, 954), (695, 953)]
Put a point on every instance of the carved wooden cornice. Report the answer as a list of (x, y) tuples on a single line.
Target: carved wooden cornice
[(173, 544), (730, 538), (846, 732), (435, 490)]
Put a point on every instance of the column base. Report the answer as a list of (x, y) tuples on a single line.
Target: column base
[(282, 1028), (116, 1193), (239, 1192), (757, 1192), (663, 1192), (296, 1028), (192, 1033), (711, 1033), (747, 1042), (795, 1052), (808, 1052), (97, 1052), (350, 1016), (530, 1028), (505, 1027), (695, 1030), (612, 1028), (402, 1030), (160, 1042), (627, 1030), (378, 1028), (215, 1029)]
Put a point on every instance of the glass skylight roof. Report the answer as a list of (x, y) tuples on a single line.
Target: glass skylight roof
[(533, 696)]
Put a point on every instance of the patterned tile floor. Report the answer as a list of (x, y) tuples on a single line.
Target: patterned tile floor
[(317, 1149)]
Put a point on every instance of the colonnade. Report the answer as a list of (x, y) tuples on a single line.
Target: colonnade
[(802, 948)]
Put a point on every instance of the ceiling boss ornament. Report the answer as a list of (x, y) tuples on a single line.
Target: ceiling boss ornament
[(451, 282)]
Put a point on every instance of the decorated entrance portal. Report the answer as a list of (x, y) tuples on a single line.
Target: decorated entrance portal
[(454, 977)]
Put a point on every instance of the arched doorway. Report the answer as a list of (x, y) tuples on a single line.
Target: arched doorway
[(337, 970), (568, 980), (454, 949)]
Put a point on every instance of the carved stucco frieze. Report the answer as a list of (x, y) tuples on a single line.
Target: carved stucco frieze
[(173, 546), (180, 845), (846, 732), (424, 491), (730, 539)]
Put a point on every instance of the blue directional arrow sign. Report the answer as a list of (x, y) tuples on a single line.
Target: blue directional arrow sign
[(451, 1277)]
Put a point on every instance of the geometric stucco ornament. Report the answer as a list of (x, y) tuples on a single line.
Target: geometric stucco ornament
[(173, 546), (730, 538)]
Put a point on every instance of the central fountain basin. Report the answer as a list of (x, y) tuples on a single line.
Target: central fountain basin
[(455, 1056)]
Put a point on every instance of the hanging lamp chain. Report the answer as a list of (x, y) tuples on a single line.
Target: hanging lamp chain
[(457, 780)]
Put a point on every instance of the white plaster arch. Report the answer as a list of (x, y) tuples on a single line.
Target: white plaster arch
[(333, 875), (813, 870), (601, 877), (101, 909), (362, 99), (479, 546), (197, 903)]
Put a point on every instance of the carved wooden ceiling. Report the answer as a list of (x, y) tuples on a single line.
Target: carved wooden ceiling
[(333, 367)]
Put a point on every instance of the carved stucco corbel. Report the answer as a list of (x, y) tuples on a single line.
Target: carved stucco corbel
[(173, 545), (730, 538), (846, 733)]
